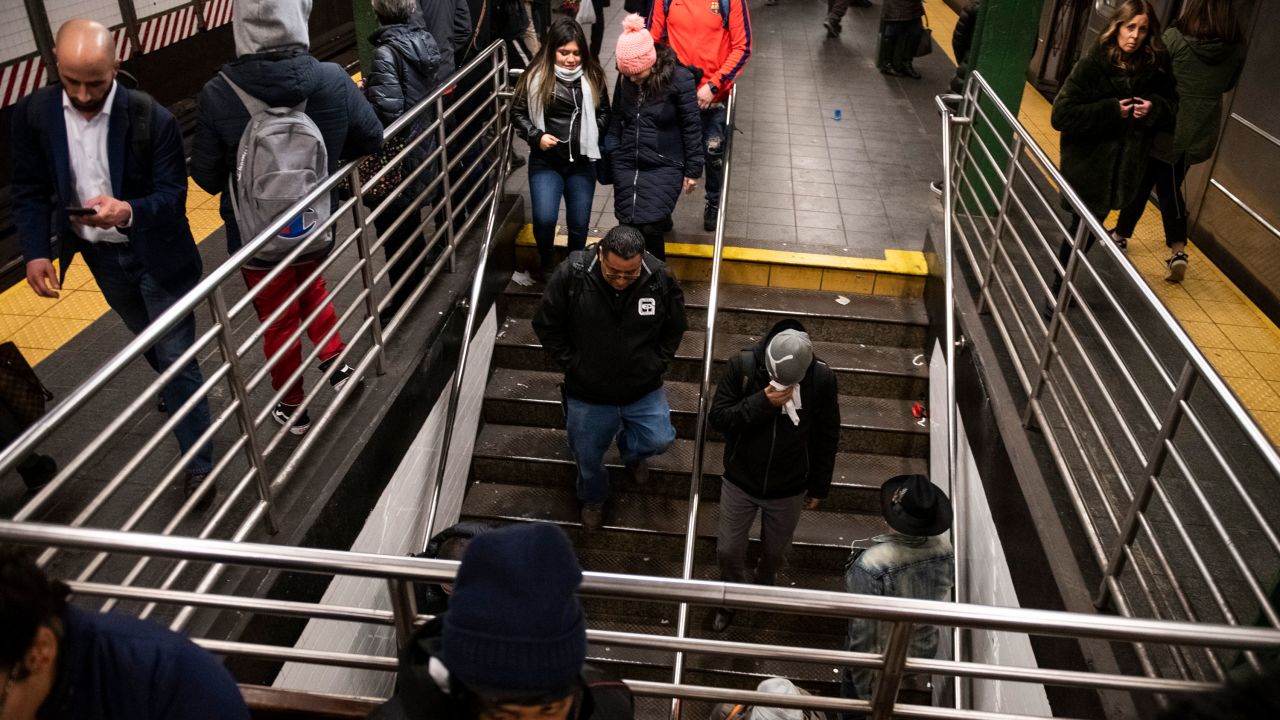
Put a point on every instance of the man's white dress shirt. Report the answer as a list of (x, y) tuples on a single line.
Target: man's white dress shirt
[(90, 167)]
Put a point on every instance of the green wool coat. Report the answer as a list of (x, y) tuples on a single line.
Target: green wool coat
[(1104, 155), (1205, 69)]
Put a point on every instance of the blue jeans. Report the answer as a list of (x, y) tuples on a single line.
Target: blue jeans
[(546, 186), (643, 429), (138, 299), (713, 130)]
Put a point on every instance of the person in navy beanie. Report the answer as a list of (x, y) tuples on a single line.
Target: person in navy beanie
[(514, 641)]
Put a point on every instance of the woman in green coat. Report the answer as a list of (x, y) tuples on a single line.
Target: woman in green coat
[(1207, 51), (1118, 96)]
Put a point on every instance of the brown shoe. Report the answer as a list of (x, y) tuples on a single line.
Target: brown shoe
[(592, 516), (639, 471)]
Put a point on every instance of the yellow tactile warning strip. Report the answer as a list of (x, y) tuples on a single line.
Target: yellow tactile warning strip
[(900, 273), (38, 326), (1238, 339)]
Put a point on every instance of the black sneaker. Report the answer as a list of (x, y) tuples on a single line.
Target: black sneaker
[(37, 470), (592, 516), (910, 71), (286, 414), (890, 70), (722, 619), (833, 28), (340, 377), (709, 216), (192, 483)]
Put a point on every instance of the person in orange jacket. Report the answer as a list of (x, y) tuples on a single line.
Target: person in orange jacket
[(714, 37)]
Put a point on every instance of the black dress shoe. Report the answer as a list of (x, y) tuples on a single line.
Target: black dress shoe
[(910, 71), (709, 216), (722, 620), (639, 471), (592, 517)]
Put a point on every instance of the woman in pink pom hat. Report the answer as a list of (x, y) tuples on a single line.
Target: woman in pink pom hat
[(654, 143)]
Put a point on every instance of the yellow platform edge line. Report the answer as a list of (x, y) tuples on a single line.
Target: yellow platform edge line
[(895, 262)]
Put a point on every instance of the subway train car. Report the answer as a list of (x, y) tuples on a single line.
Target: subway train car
[(170, 46)]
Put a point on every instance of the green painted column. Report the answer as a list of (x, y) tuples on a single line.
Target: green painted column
[(365, 23), (1003, 43)]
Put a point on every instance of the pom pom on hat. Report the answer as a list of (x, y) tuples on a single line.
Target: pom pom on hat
[(634, 52)]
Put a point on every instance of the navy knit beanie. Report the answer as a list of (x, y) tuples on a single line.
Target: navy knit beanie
[(515, 627)]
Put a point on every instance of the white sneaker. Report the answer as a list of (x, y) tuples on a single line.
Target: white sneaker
[(1176, 267)]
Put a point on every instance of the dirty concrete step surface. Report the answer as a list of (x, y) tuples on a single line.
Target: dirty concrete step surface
[(749, 310), (873, 424), (860, 369), (540, 457)]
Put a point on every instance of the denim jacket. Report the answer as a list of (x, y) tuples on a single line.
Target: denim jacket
[(904, 566)]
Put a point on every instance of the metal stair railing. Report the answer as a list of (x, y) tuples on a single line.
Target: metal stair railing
[(105, 472), (1165, 470), (704, 402), (399, 573)]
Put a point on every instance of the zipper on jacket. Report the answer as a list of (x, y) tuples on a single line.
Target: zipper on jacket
[(773, 439), (635, 182)]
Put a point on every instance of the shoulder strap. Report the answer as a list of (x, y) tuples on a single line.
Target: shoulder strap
[(747, 365), (253, 104), (141, 109), (722, 6)]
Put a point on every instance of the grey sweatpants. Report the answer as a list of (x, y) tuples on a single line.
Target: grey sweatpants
[(778, 522)]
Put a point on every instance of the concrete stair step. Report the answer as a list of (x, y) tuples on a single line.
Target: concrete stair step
[(539, 456), (532, 397), (750, 310), (861, 369)]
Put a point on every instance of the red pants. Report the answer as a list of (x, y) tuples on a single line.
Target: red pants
[(273, 296)]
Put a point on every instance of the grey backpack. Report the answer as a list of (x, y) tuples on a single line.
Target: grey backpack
[(281, 158)]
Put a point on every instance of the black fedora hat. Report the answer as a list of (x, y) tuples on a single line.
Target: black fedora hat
[(914, 506)]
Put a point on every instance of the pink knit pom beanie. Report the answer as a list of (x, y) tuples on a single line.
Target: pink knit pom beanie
[(635, 52)]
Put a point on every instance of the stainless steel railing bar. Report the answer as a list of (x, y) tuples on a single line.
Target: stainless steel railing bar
[(429, 163), (282, 608), (993, 197), (994, 165), (1045, 244), (817, 602), (416, 294), (395, 161), (311, 657), (1002, 328), (1024, 293), (1010, 320), (995, 133), (1049, 212), (178, 518), (219, 515), (1202, 365), (312, 244), (28, 510), (704, 388), (289, 302)]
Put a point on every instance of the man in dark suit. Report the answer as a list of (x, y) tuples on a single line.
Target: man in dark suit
[(81, 157)]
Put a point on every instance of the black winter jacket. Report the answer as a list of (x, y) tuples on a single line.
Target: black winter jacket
[(406, 61), (765, 454), (654, 143), (449, 22), (962, 42), (563, 120), (347, 122), (419, 697), (899, 10), (1105, 155), (613, 346)]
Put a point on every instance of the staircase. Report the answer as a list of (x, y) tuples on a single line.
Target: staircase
[(522, 470)]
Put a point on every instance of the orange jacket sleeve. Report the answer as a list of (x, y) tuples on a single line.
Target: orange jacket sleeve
[(657, 20), (739, 42)]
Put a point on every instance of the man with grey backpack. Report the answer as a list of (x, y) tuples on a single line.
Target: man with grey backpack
[(272, 126)]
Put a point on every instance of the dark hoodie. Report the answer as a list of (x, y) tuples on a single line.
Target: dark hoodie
[(281, 76), (1204, 69), (765, 454), (418, 695)]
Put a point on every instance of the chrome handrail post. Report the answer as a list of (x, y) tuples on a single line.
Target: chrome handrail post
[(1055, 321), (445, 169), (958, 495), (1002, 217), (469, 307), (895, 660), (366, 269), (404, 608), (704, 389), (244, 416), (1142, 498)]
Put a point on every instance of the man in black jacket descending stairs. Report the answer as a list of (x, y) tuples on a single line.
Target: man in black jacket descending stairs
[(612, 318), (779, 410)]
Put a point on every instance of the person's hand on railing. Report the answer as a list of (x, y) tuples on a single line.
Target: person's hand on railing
[(43, 278), (690, 184)]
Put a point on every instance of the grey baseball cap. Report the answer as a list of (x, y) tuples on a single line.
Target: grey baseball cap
[(788, 356)]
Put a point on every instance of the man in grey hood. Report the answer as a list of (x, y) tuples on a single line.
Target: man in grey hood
[(273, 66)]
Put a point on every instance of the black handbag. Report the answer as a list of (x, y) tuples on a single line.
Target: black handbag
[(21, 391), (924, 44)]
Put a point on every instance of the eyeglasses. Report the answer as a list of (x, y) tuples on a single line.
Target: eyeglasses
[(611, 274)]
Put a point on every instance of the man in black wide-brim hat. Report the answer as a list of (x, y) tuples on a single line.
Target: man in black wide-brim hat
[(916, 561)]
